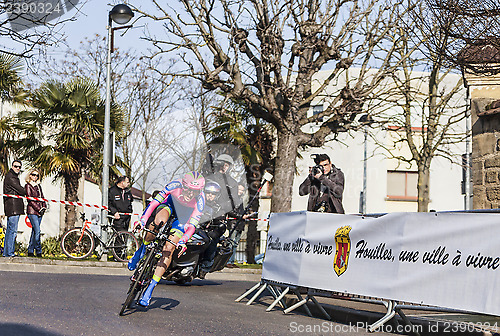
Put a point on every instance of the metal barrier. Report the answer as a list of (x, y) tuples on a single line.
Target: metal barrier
[(279, 290)]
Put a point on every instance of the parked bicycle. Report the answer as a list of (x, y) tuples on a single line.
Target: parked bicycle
[(147, 265), (80, 243)]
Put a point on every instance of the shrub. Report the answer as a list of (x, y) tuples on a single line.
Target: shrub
[(51, 247), (21, 248)]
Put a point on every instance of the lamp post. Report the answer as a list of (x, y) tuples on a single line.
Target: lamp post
[(365, 118), (120, 14)]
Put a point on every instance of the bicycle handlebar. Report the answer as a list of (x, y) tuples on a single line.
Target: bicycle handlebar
[(160, 235)]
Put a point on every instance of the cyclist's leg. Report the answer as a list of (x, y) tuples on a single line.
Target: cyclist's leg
[(161, 217), (163, 263)]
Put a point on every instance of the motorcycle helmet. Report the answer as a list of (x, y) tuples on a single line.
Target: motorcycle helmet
[(213, 188), (225, 158)]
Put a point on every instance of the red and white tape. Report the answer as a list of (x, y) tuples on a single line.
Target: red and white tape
[(64, 202), (93, 205), (253, 219)]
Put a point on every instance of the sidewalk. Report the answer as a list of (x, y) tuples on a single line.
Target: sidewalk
[(40, 265)]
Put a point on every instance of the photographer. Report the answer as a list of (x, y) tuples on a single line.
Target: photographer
[(325, 185)]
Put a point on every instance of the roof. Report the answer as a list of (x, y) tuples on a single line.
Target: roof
[(136, 193), (481, 53), (491, 109)]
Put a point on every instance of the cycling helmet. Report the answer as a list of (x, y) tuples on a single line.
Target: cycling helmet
[(213, 187), (193, 180)]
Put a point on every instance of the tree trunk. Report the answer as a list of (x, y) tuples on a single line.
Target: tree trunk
[(423, 186), (284, 171), (71, 183)]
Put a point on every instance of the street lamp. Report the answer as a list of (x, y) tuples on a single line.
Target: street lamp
[(120, 14), (366, 120)]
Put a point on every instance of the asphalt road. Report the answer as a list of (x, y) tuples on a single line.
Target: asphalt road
[(45, 304)]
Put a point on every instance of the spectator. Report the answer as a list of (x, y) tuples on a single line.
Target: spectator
[(325, 185), (35, 211), (236, 235), (120, 201), (13, 207)]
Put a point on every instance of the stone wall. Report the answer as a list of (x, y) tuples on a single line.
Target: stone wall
[(485, 156)]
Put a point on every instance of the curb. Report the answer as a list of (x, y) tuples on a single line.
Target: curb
[(29, 264)]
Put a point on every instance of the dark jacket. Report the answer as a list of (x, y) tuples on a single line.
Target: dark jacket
[(120, 200), (228, 199), (12, 186), (334, 182), (34, 207)]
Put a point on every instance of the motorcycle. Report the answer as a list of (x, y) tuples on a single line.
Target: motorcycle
[(187, 267)]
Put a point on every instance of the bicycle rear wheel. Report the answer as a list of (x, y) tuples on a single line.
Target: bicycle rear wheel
[(140, 279), (124, 246), (77, 243)]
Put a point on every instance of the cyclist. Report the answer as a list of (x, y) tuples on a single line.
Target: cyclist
[(185, 201)]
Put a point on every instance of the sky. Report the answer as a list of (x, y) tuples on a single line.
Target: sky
[(90, 18)]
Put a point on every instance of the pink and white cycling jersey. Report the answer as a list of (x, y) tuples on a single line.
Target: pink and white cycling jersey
[(187, 212)]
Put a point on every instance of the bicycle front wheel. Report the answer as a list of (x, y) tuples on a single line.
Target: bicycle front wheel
[(140, 279), (77, 243), (124, 246)]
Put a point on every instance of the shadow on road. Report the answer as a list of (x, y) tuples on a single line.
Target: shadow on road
[(196, 282), (24, 330), (163, 303)]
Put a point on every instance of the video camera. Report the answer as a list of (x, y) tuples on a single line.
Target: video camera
[(317, 168)]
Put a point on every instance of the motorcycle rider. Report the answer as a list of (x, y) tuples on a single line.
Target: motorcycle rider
[(185, 201), (215, 226)]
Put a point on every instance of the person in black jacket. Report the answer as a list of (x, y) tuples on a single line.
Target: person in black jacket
[(120, 201), (13, 207), (325, 185)]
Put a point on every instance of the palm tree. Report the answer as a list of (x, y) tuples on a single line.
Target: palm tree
[(62, 135), (10, 91), (234, 124)]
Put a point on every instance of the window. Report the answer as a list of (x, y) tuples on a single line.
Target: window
[(402, 185), (317, 110)]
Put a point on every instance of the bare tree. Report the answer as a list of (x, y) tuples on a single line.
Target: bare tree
[(474, 29), (146, 98), (268, 53), (89, 60), (426, 106), (27, 28), (150, 136)]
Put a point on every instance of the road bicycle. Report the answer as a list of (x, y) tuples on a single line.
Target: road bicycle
[(80, 243), (147, 265)]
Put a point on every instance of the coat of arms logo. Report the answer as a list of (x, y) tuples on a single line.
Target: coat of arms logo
[(343, 246)]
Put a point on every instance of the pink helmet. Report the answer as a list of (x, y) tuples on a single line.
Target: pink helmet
[(193, 180)]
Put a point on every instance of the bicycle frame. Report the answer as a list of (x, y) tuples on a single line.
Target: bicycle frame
[(99, 242)]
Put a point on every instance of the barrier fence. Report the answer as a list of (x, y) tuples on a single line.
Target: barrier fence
[(446, 261), (87, 205)]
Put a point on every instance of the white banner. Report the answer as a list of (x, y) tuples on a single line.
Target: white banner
[(443, 259)]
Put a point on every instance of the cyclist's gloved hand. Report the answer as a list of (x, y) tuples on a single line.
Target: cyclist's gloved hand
[(138, 226), (182, 245)]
